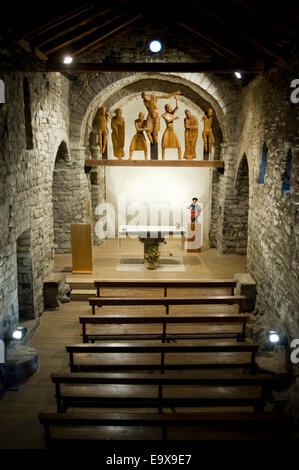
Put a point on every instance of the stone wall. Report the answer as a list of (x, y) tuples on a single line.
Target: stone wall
[(273, 235), (133, 47), (25, 277), (26, 183)]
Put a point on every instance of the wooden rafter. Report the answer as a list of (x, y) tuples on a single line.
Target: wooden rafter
[(108, 40), (57, 21), (265, 49), (78, 24), (217, 44), (105, 36), (227, 27), (237, 31), (82, 35), (257, 14), (155, 67)]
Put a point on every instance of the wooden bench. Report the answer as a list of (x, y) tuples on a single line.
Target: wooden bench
[(164, 284), (89, 362), (226, 389), (166, 301), (95, 325), (86, 429)]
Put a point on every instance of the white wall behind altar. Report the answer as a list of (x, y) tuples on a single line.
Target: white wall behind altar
[(171, 187), (131, 189)]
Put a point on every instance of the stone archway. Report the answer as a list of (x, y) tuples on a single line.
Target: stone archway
[(61, 198), (205, 90), (240, 209)]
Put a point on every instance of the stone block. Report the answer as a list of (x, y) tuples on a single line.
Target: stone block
[(246, 286), (56, 291), (21, 363)]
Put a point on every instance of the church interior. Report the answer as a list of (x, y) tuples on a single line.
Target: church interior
[(149, 213)]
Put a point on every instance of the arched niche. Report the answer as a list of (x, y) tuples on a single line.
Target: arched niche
[(27, 115), (241, 206), (120, 97), (61, 193)]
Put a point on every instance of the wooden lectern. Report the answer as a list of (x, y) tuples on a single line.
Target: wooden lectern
[(81, 248)]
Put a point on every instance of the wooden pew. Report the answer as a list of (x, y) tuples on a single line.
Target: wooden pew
[(90, 362), (166, 301), (95, 323), (226, 389), (64, 430), (164, 284)]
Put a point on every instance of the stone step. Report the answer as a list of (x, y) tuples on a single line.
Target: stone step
[(81, 285), (82, 294)]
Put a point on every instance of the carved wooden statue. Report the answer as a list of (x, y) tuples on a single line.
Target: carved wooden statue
[(118, 134), (102, 118), (207, 133), (170, 139), (153, 117), (138, 142), (191, 135)]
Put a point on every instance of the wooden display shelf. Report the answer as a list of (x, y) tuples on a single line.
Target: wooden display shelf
[(183, 163)]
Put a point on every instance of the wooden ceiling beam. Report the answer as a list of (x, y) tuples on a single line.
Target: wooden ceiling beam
[(217, 44), (265, 49), (227, 26), (83, 35), (258, 14), (57, 21), (105, 36), (66, 30), (108, 40), (155, 67)]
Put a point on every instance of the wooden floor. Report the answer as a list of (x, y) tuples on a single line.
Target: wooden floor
[(19, 425), (205, 265)]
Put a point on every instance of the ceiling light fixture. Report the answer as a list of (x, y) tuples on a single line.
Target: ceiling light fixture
[(238, 74), (155, 46), (68, 59)]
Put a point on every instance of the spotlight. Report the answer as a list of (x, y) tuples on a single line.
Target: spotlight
[(155, 46), (238, 74), (19, 333), (273, 337), (68, 59)]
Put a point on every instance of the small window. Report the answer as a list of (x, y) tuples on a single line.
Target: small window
[(27, 113), (263, 165), (286, 181)]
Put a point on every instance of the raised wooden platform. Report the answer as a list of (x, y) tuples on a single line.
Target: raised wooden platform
[(179, 163)]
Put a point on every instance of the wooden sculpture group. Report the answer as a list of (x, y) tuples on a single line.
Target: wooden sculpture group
[(151, 125)]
